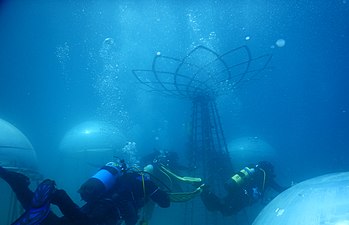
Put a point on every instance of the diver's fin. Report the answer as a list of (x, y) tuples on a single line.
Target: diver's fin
[(185, 196), (184, 179), (33, 216), (40, 205), (43, 193)]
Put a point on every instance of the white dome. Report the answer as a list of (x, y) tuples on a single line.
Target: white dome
[(92, 136), (317, 201), (249, 150), (15, 149), (84, 149)]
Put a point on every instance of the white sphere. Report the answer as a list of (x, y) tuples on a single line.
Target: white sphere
[(249, 150), (92, 136), (280, 43), (317, 201), (15, 149)]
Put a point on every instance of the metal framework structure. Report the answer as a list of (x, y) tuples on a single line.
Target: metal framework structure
[(202, 76)]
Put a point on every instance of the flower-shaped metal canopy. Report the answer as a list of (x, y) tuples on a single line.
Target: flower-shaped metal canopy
[(202, 72)]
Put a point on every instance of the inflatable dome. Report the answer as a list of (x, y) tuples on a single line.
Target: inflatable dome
[(92, 136), (317, 201), (247, 150), (15, 149)]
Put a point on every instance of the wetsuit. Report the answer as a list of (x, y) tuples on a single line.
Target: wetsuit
[(132, 191)]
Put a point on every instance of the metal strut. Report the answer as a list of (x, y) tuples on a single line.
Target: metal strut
[(209, 154)]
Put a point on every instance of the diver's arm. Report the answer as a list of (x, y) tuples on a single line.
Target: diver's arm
[(87, 215), (19, 184), (157, 195), (69, 209)]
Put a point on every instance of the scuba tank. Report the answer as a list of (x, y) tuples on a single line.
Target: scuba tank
[(101, 182), (243, 175), (108, 174)]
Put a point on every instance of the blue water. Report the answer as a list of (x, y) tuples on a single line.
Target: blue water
[(58, 69)]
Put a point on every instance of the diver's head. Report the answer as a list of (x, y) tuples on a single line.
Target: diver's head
[(149, 169)]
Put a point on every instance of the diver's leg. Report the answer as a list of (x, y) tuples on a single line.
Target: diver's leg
[(210, 200), (66, 205), (132, 217), (39, 210), (128, 212), (234, 201), (19, 183)]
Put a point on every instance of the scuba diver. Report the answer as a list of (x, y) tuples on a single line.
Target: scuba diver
[(112, 195), (244, 188), (129, 192), (37, 204)]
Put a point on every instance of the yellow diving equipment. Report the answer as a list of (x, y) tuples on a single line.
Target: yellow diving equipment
[(184, 179), (185, 196), (243, 175)]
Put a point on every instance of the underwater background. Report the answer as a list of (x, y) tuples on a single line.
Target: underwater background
[(66, 62)]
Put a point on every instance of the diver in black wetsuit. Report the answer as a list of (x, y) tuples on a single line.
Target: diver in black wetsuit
[(244, 188), (129, 192), (111, 197), (37, 204)]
